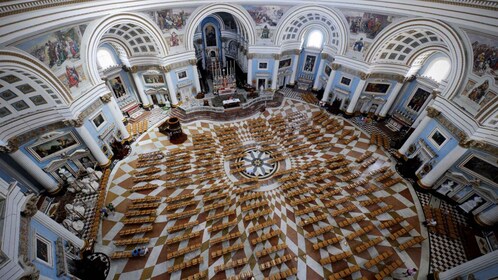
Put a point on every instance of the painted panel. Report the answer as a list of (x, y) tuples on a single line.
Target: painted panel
[(484, 48)]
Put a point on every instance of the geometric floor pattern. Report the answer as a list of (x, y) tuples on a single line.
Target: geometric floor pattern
[(280, 204), (445, 252)]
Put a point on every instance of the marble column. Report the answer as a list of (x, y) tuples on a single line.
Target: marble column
[(442, 166), (274, 81), (330, 81), (117, 115), (92, 145), (414, 136), (356, 95), (140, 88), (58, 229), (316, 82), (49, 183), (478, 264), (171, 88), (295, 61), (390, 99), (249, 69), (488, 217), (197, 83)]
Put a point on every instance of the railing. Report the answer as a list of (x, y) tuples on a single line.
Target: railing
[(34, 5)]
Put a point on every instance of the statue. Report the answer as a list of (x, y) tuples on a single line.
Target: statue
[(93, 174), (471, 204), (446, 187)]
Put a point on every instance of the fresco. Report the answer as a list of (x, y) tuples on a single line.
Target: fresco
[(55, 49), (172, 18), (60, 51), (266, 15), (363, 28), (485, 49)]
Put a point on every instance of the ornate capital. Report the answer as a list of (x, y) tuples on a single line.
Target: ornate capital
[(432, 112), (12, 146), (106, 98), (335, 66), (325, 56), (250, 55), (364, 76), (192, 61), (277, 56), (166, 68), (78, 122), (296, 51), (134, 69)]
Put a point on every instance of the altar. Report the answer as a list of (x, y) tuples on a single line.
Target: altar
[(231, 103)]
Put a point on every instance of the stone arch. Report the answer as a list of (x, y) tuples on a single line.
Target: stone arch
[(91, 40), (238, 12), (299, 18), (402, 42)]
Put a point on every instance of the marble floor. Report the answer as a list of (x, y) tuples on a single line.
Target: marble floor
[(278, 202)]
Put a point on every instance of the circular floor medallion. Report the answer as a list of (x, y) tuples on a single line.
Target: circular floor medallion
[(258, 163)]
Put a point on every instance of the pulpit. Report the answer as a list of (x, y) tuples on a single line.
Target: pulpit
[(173, 129)]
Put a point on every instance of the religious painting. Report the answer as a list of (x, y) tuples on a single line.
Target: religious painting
[(328, 70), (182, 75), (266, 15), (153, 79), (54, 146), (478, 92), (174, 40), (437, 138), (367, 24), (485, 48), (56, 48), (345, 81), (285, 63), (487, 98), (417, 100), (117, 87), (43, 250), (309, 63), (377, 88), (72, 76), (481, 168), (172, 18), (98, 121), (210, 33)]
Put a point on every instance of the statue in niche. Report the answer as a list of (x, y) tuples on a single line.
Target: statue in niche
[(446, 187), (471, 204)]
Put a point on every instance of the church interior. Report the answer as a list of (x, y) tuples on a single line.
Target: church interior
[(249, 140)]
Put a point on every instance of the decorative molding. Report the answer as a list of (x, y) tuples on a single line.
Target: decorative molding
[(364, 76), (396, 77), (29, 208), (193, 62), (77, 122), (462, 138), (335, 66), (250, 56), (277, 56), (410, 79)]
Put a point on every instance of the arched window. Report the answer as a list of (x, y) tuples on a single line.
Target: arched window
[(315, 39), (438, 69), (105, 58)]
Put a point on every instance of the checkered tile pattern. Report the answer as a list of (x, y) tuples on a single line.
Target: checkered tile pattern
[(445, 252), (296, 114)]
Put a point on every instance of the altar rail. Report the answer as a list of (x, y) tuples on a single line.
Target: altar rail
[(222, 114)]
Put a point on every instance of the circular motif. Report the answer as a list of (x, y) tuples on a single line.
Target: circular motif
[(258, 163)]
